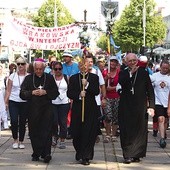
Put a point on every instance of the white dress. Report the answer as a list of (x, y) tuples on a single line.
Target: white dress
[(3, 113)]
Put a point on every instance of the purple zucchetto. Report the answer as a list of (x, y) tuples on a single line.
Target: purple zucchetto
[(40, 59)]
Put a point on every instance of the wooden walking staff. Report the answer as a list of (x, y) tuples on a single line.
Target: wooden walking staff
[(85, 53), (83, 88), (84, 40), (109, 51)]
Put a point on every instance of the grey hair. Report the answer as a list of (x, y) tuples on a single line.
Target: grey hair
[(130, 54)]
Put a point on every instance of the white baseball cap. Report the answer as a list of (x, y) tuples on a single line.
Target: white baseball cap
[(113, 58)]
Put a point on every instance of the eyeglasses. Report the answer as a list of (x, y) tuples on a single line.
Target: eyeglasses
[(22, 64), (55, 69)]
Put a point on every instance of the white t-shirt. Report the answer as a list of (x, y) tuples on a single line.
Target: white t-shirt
[(62, 88), (161, 84), (16, 84), (101, 82)]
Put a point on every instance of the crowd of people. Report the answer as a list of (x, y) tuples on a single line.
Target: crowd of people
[(92, 95)]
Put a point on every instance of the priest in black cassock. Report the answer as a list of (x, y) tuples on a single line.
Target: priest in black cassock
[(39, 89), (136, 101), (84, 133)]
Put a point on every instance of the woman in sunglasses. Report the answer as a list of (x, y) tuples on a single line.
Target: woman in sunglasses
[(17, 106), (61, 106)]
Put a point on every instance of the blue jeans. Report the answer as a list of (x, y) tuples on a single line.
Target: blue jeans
[(60, 112), (18, 115)]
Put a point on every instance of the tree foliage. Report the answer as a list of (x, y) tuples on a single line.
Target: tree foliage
[(128, 30), (46, 18), (102, 42)]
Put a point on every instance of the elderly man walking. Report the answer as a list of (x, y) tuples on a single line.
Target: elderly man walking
[(39, 89), (137, 95)]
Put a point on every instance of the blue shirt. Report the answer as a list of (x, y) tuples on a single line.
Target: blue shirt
[(47, 69), (70, 70)]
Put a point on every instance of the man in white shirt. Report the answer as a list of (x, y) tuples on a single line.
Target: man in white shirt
[(161, 84)]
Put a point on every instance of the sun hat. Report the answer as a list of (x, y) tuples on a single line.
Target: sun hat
[(113, 58), (67, 54)]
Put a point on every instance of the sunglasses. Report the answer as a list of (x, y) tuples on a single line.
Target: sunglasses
[(55, 69), (22, 64)]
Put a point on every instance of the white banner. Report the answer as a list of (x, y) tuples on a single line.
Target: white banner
[(17, 34)]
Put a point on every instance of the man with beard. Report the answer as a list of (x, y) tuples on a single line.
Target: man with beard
[(137, 95), (84, 132), (39, 89)]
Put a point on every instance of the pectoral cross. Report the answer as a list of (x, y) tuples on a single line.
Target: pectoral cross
[(40, 87), (132, 91)]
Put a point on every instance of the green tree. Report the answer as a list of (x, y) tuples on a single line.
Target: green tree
[(46, 18), (102, 42), (128, 31)]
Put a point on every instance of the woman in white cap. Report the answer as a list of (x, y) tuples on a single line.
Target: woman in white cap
[(17, 106), (111, 76)]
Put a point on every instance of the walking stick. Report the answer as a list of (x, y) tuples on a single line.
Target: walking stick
[(109, 51), (83, 87)]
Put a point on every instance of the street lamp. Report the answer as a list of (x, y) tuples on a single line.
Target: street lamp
[(144, 23), (55, 14), (143, 6), (55, 20)]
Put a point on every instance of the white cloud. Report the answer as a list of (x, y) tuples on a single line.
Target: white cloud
[(20, 3)]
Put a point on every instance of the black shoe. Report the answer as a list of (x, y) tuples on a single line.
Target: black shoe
[(135, 160), (85, 162), (155, 133), (77, 157), (162, 143), (42, 156), (47, 158), (68, 137), (35, 159), (127, 161)]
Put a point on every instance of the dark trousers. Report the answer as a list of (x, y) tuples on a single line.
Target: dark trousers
[(18, 116), (60, 119), (99, 123)]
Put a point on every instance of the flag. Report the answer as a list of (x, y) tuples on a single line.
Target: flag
[(119, 57), (108, 45), (78, 52), (113, 43)]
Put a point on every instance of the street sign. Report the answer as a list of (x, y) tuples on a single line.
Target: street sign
[(109, 10)]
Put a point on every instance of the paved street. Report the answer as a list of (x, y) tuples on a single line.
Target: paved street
[(108, 156)]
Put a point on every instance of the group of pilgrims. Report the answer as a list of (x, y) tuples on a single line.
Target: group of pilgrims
[(69, 100)]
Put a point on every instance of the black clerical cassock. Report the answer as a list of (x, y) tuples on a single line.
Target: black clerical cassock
[(84, 133), (40, 118)]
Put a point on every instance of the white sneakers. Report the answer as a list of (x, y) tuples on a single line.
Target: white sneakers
[(16, 146), (21, 146)]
